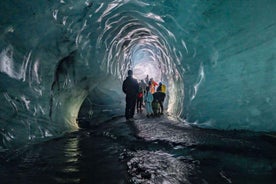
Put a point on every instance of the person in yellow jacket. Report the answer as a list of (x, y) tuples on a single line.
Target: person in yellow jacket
[(161, 88), (161, 94)]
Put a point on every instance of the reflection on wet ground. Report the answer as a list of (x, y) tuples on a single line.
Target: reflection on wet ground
[(154, 150)]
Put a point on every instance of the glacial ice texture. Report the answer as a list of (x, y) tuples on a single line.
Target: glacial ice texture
[(217, 59)]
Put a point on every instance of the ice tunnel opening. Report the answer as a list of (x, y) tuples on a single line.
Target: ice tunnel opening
[(145, 59), (145, 63), (131, 40), (107, 40)]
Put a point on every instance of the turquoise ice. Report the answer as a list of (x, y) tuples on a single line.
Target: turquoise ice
[(217, 59)]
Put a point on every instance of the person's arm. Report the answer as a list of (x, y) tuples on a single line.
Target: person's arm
[(158, 88), (124, 88), (137, 86)]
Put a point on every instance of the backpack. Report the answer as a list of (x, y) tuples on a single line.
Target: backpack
[(140, 95)]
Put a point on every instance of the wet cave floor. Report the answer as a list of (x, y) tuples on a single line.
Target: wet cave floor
[(146, 150)]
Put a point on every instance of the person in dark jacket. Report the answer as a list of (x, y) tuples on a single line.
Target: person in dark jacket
[(139, 99), (130, 88), (160, 95)]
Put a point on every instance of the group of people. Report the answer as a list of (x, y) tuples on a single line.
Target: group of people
[(146, 93)]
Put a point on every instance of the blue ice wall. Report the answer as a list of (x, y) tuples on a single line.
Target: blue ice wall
[(235, 54), (216, 57)]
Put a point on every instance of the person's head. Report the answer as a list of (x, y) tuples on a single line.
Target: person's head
[(160, 83), (129, 72)]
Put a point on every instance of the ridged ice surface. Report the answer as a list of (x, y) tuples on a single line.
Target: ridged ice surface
[(217, 59)]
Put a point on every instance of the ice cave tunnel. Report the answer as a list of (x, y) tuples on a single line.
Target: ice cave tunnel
[(217, 59)]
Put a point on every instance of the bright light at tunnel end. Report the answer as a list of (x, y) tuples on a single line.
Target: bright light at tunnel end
[(141, 70)]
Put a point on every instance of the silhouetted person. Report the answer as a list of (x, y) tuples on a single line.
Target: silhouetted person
[(148, 102), (140, 98), (143, 85), (130, 88), (147, 79), (160, 95)]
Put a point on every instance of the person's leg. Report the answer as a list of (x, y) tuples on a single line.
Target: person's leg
[(127, 108), (137, 104), (161, 106), (140, 103), (154, 107), (132, 107), (147, 105), (162, 101), (150, 109)]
